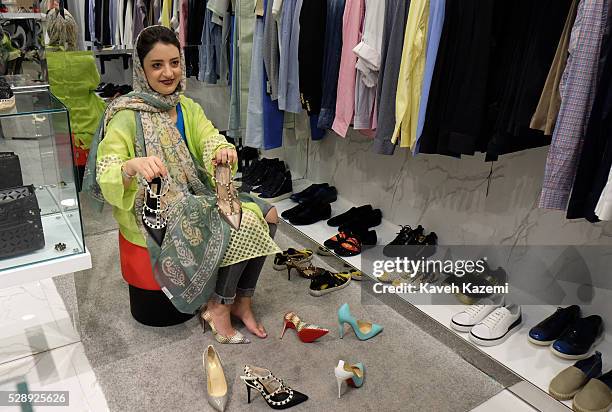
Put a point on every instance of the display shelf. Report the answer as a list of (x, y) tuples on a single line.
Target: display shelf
[(533, 363), (33, 102)]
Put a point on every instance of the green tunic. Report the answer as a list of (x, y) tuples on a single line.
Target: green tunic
[(203, 141)]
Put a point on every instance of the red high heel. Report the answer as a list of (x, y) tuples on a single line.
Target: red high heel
[(306, 332)]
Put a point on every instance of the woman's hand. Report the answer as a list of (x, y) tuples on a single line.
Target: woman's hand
[(226, 155), (147, 167)]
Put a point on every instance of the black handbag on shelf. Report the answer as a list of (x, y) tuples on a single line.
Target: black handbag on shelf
[(21, 229), (10, 170)]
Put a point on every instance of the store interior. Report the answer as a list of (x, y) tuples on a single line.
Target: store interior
[(66, 320)]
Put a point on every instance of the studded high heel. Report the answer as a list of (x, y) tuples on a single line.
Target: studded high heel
[(237, 338), (154, 211), (274, 391), (228, 202), (306, 332)]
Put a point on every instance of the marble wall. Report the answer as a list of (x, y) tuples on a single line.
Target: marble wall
[(453, 197)]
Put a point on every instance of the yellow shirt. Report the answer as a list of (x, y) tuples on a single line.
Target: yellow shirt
[(411, 74)]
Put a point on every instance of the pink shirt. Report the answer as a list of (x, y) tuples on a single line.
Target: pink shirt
[(354, 12)]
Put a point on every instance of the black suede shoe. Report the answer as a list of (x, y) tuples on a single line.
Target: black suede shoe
[(363, 221), (312, 213), (280, 191), (349, 215), (270, 167), (294, 211), (327, 194), (308, 192), (270, 177)]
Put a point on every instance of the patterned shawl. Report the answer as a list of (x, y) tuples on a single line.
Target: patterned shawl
[(186, 264)]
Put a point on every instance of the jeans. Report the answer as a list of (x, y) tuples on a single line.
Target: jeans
[(240, 278)]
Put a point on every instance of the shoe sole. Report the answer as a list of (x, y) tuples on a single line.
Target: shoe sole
[(7, 103), (563, 396), (277, 198), (540, 342), (326, 291), (577, 408), (321, 251), (461, 328), (284, 267), (494, 342), (577, 357)]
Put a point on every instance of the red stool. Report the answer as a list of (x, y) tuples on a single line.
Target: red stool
[(148, 304)]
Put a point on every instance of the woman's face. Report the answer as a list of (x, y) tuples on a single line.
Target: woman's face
[(162, 66)]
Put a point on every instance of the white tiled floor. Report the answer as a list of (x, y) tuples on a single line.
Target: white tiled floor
[(504, 401), (40, 347), (61, 369)]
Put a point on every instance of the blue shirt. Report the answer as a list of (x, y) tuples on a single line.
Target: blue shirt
[(289, 75), (436, 21), (180, 122)]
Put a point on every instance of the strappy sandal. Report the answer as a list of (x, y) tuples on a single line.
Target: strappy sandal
[(308, 272), (228, 202)]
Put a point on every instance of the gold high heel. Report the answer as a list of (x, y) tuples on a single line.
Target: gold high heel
[(216, 385), (228, 202), (238, 337), (305, 331)]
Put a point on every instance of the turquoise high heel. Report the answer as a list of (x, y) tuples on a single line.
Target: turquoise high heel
[(363, 329), (352, 374)]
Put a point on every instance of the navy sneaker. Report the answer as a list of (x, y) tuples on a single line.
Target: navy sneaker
[(591, 366), (578, 340), (551, 328)]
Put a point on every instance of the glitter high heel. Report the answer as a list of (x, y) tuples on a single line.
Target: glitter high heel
[(306, 332), (237, 338)]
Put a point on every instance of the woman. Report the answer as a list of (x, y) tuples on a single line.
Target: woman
[(156, 132)]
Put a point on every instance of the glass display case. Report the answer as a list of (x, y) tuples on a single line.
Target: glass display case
[(36, 132)]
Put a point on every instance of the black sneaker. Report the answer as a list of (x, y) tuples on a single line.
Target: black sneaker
[(312, 213), (271, 174), (349, 215), (281, 191), (268, 166), (578, 340), (551, 328), (329, 282), (406, 236), (7, 98), (308, 192)]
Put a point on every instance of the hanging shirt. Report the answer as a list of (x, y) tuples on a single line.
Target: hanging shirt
[(368, 64), (434, 32), (331, 62), (354, 12), (288, 71), (578, 86), (411, 74)]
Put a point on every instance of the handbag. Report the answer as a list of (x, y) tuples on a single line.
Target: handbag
[(21, 229), (10, 170)]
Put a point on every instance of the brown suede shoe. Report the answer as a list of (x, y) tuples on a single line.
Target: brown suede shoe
[(596, 396)]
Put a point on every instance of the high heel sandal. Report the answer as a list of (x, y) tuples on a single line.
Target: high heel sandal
[(363, 329), (352, 374), (274, 391), (306, 332), (238, 338), (308, 272), (228, 202)]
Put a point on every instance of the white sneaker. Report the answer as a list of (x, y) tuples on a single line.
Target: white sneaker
[(498, 326), (465, 320)]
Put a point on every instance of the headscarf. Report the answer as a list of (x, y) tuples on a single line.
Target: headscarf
[(186, 264)]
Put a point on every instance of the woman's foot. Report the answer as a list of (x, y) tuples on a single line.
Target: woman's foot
[(242, 310), (220, 314)]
